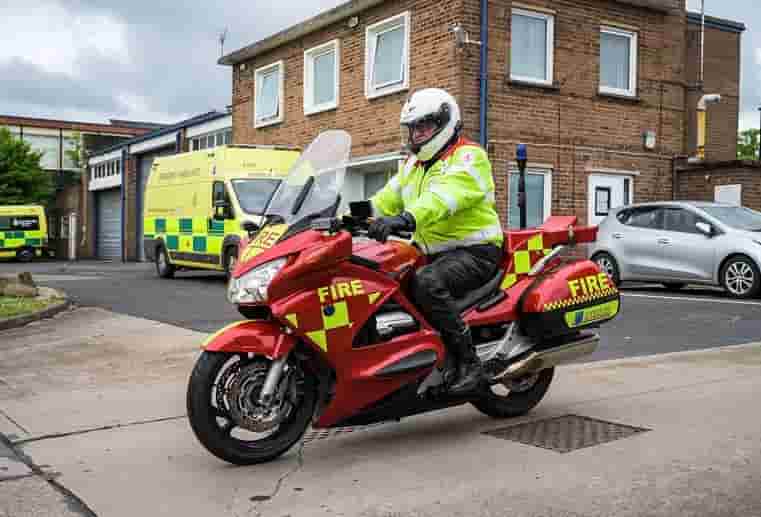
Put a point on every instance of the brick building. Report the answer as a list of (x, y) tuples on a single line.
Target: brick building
[(53, 138), (117, 176), (602, 91)]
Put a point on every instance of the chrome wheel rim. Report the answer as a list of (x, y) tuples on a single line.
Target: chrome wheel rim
[(519, 385), (162, 260), (606, 266), (739, 278)]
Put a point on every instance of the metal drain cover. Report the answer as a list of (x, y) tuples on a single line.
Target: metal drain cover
[(565, 433)]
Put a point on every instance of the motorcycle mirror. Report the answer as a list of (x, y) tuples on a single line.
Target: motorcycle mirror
[(249, 226), (361, 209)]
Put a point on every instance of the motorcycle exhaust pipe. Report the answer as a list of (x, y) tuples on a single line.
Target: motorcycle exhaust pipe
[(555, 356)]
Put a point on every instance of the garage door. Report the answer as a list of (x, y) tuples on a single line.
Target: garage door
[(109, 214), (146, 162)]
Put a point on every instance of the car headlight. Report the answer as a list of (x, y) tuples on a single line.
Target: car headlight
[(252, 287)]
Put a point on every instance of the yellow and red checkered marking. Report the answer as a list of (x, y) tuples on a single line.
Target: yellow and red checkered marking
[(569, 302)]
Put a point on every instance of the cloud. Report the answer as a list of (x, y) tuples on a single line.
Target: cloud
[(54, 38), (139, 59)]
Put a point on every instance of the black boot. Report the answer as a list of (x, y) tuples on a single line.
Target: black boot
[(469, 371)]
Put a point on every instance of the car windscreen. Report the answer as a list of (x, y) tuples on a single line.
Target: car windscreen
[(254, 194), (736, 216)]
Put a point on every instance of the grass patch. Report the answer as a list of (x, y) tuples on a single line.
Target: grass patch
[(11, 306)]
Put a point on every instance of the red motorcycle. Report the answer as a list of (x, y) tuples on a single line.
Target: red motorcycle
[(332, 338)]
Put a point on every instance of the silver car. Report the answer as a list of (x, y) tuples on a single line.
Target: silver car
[(678, 243)]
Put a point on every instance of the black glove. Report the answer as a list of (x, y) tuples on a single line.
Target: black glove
[(382, 227)]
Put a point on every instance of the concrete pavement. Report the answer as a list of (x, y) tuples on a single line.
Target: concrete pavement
[(99, 399)]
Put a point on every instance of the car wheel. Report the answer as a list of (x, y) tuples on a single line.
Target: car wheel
[(740, 277), (163, 267), (609, 266), (25, 255), (674, 286)]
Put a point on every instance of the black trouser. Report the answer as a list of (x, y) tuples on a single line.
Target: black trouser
[(451, 275)]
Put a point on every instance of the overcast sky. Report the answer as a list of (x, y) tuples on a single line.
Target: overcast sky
[(93, 60)]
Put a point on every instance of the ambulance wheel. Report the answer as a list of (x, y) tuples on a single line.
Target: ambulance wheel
[(231, 260), (25, 255), (609, 266), (163, 267)]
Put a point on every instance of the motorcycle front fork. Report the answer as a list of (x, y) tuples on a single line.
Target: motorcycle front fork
[(272, 381)]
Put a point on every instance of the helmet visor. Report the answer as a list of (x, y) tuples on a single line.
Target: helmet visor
[(419, 132)]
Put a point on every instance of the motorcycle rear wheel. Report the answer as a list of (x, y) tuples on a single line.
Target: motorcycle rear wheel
[(213, 424), (519, 399)]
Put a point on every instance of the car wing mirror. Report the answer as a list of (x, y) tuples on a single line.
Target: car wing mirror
[(705, 228)]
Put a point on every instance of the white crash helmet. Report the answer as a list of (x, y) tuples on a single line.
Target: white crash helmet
[(430, 104)]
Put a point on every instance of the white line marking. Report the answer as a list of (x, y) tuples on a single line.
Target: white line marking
[(689, 299)]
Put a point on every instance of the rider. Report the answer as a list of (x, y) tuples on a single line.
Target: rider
[(445, 194)]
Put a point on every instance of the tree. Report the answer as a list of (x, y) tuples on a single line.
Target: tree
[(22, 179), (747, 144)]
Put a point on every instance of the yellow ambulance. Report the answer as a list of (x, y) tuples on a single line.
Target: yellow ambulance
[(196, 202), (23, 232)]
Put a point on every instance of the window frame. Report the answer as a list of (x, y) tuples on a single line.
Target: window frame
[(259, 72), (371, 37), (537, 171), (310, 108), (633, 62), (550, 43)]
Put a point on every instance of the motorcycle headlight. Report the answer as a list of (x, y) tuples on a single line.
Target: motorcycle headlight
[(252, 287)]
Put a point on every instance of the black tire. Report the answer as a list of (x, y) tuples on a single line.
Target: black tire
[(740, 277), (163, 267), (25, 255), (230, 258), (608, 264), (674, 286), (203, 417), (515, 403)]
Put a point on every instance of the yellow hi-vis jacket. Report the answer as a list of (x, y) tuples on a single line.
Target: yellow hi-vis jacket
[(452, 202)]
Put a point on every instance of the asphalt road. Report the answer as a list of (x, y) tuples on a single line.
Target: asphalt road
[(652, 320)]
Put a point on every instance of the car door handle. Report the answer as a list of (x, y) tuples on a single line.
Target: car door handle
[(618, 235), (664, 240)]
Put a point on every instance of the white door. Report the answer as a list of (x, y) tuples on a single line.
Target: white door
[(606, 192)]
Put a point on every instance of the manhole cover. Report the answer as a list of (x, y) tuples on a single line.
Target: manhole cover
[(565, 433)]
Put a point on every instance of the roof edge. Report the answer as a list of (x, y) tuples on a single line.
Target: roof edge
[(299, 30), (198, 119), (716, 23)]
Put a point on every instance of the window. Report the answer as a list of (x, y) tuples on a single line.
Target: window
[(228, 137), (602, 201), (19, 223), (321, 77), (387, 47), (532, 46), (680, 220), (255, 195), (649, 217), (269, 95), (538, 199), (618, 62), (221, 137), (741, 218)]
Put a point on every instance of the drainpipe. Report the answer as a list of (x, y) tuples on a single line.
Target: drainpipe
[(704, 101), (124, 202), (484, 66)]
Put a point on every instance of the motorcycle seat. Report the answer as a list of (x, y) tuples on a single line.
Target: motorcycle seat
[(476, 296)]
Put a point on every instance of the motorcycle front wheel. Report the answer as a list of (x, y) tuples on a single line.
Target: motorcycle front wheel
[(515, 397), (223, 395)]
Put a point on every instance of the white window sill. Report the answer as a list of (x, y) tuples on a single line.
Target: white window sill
[(617, 93), (313, 110), (267, 123), (382, 92)]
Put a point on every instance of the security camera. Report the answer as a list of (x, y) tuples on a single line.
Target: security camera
[(461, 37)]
